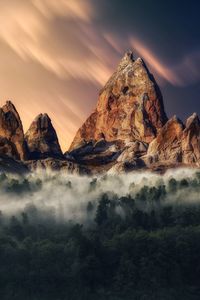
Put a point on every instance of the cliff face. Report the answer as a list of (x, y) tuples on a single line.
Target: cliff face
[(167, 145), (11, 133), (42, 140), (130, 107)]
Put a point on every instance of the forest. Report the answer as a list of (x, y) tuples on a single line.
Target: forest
[(63, 237)]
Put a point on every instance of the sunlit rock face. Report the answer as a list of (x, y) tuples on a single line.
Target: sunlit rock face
[(176, 143), (130, 106), (42, 140), (191, 141), (167, 145), (129, 110), (11, 133)]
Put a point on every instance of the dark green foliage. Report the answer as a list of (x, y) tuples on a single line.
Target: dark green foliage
[(90, 207), (135, 247), (102, 210), (93, 185), (172, 185), (19, 186)]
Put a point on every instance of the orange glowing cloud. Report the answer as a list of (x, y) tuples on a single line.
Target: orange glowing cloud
[(24, 28), (67, 8)]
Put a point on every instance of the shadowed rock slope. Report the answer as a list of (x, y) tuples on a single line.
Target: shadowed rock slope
[(42, 140)]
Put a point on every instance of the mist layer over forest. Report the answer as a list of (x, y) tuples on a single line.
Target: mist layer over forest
[(68, 197), (125, 237)]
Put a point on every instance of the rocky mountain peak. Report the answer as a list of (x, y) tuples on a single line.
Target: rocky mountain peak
[(9, 106), (128, 58), (42, 122), (129, 55), (41, 138), (10, 119), (192, 120), (130, 106), (11, 130)]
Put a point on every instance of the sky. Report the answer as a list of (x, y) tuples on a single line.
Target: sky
[(56, 55)]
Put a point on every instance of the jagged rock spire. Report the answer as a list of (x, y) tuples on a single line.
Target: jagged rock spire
[(130, 106), (41, 138), (11, 132)]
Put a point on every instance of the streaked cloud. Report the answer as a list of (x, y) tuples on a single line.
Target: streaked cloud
[(188, 68), (30, 29), (27, 30), (161, 69), (181, 73), (68, 8)]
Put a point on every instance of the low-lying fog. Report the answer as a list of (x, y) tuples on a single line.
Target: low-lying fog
[(66, 196)]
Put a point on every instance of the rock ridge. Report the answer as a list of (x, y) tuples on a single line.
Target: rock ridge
[(128, 130)]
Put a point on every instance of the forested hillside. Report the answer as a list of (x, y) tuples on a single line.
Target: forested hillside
[(142, 245)]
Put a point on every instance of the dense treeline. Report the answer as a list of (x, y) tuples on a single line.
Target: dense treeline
[(139, 246)]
